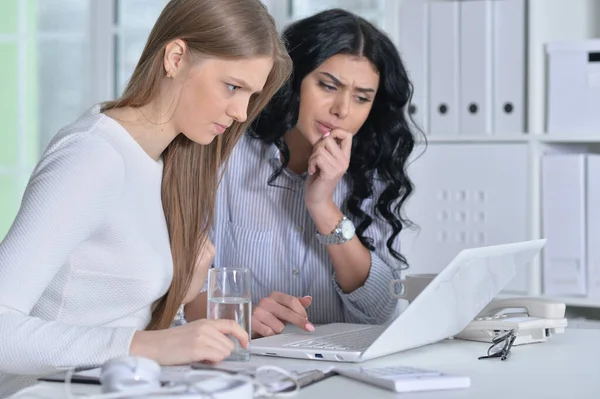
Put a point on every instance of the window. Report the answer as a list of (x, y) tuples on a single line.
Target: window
[(371, 10), (119, 32), (61, 62), (133, 21), (10, 140), (56, 62), (378, 12), (42, 62)]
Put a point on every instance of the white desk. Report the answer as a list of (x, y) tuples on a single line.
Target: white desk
[(567, 366)]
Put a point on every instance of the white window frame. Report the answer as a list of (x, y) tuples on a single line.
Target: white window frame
[(104, 35), (102, 51)]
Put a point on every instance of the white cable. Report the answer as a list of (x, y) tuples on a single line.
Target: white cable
[(67, 386), (130, 393), (121, 394)]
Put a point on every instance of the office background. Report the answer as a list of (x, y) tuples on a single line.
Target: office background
[(504, 93)]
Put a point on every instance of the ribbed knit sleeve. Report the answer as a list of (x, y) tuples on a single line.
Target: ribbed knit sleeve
[(67, 199)]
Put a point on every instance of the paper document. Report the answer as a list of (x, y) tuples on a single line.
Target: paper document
[(275, 381), (168, 374)]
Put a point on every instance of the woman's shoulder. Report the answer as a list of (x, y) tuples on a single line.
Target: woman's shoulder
[(250, 149), (88, 129), (89, 140)]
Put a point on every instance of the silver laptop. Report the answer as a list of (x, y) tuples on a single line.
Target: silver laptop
[(442, 310)]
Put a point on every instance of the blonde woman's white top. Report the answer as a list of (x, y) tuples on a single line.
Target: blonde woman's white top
[(86, 256)]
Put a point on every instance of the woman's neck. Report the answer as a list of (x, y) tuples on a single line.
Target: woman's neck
[(152, 129), (300, 150)]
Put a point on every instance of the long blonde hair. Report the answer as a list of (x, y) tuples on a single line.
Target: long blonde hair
[(232, 29)]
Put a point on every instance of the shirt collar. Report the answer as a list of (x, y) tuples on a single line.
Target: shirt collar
[(271, 154)]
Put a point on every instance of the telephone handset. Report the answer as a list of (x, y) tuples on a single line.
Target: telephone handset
[(533, 319)]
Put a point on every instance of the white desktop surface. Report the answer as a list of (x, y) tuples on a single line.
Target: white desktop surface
[(567, 366)]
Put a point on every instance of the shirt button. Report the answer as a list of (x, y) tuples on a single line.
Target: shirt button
[(299, 229), (296, 272)]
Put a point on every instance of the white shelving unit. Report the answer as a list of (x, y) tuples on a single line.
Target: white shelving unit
[(547, 20), (569, 301), (522, 138)]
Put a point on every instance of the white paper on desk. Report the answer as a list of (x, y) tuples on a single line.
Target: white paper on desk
[(274, 380), (168, 374), (249, 367)]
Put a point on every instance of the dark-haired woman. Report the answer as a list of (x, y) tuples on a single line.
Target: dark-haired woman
[(312, 195)]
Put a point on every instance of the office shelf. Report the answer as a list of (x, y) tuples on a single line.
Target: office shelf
[(566, 139), (580, 302), (514, 138), (440, 138), (569, 301), (454, 205)]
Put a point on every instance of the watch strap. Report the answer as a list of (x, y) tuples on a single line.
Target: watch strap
[(334, 238)]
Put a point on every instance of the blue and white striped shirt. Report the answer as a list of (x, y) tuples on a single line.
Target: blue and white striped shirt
[(269, 230)]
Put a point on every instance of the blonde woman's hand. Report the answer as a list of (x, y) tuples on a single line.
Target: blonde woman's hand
[(205, 259), (198, 341)]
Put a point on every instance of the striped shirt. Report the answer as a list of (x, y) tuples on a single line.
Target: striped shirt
[(268, 229)]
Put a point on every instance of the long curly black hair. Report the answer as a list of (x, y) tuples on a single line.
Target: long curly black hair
[(382, 146)]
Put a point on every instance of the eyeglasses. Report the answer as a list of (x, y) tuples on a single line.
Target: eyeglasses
[(501, 346)]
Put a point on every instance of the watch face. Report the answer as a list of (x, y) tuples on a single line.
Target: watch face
[(347, 228)]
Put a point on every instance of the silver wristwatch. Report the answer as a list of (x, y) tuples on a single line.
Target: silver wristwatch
[(344, 231)]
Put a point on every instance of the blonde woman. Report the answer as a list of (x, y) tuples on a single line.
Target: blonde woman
[(109, 240)]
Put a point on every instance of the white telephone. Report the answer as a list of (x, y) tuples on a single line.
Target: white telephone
[(533, 319)]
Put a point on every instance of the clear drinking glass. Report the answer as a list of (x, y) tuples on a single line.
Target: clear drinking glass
[(229, 297)]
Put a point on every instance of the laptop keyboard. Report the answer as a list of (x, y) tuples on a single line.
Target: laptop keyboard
[(351, 340)]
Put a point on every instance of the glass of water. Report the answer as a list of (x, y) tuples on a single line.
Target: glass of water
[(229, 297)]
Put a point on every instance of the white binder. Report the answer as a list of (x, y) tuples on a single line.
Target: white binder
[(413, 50), (509, 66), (475, 67), (593, 225), (563, 213), (443, 72), (573, 87)]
